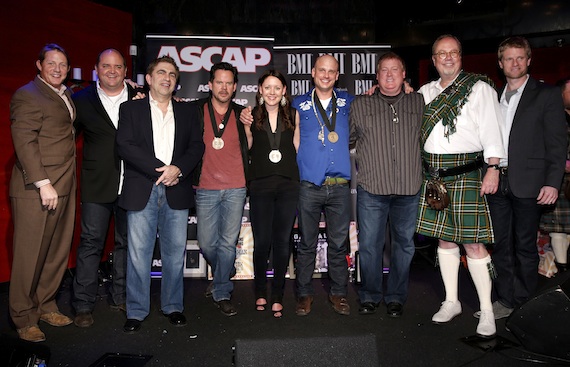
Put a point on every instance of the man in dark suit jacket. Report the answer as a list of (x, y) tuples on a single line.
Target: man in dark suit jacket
[(160, 141), (534, 133), (101, 181), (42, 194)]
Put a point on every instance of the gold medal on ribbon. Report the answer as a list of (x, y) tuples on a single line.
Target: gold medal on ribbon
[(333, 137), (217, 143)]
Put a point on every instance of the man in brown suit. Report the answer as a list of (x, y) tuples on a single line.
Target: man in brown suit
[(42, 193)]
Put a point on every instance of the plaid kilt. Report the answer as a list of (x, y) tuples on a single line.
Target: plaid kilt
[(556, 218), (467, 218)]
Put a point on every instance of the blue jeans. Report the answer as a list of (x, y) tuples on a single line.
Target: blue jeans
[(95, 219), (171, 226), (219, 215), (373, 214), (335, 201)]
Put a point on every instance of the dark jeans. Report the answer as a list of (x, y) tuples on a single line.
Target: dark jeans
[(515, 224), (373, 213), (95, 219), (335, 201), (273, 205)]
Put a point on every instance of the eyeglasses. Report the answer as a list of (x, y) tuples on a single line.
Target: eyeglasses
[(442, 55)]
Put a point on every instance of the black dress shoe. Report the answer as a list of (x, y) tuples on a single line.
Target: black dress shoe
[(176, 318), (226, 307), (367, 308), (394, 309), (132, 326), (83, 319)]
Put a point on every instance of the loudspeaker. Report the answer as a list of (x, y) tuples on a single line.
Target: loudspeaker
[(542, 324), (21, 353), (329, 351)]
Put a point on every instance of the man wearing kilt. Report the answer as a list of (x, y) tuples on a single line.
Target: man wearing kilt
[(460, 131)]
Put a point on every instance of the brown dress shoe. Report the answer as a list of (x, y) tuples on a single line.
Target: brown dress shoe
[(56, 319), (31, 333), (303, 307), (83, 319), (340, 304)]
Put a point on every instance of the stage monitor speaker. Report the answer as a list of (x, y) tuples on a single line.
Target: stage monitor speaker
[(20, 353), (328, 351), (542, 324)]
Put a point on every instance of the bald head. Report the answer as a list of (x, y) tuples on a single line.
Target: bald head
[(325, 74)]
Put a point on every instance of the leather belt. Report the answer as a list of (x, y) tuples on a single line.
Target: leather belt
[(445, 172), (335, 181)]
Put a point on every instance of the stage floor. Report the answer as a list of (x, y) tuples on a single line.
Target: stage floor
[(207, 340)]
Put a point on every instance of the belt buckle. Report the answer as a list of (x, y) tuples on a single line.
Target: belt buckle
[(433, 172)]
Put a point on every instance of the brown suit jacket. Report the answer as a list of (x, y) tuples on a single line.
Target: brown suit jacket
[(43, 137), (44, 142)]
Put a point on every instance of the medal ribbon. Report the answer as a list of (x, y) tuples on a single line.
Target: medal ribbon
[(218, 132), (274, 138), (331, 124)]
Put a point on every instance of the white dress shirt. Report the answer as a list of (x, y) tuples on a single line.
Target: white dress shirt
[(508, 110), (478, 124), (162, 131)]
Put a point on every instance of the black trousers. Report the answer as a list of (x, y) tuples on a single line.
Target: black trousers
[(273, 206), (515, 255)]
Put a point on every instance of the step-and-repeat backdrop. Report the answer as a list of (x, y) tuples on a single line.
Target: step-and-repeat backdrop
[(251, 56)]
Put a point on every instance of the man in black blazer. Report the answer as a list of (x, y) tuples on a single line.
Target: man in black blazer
[(160, 141), (534, 134), (101, 181)]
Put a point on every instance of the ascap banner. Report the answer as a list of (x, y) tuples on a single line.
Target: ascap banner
[(195, 56)]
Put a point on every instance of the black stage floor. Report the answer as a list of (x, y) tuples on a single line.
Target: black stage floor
[(207, 340)]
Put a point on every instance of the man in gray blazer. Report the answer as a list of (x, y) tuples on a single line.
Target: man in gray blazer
[(534, 135), (42, 194)]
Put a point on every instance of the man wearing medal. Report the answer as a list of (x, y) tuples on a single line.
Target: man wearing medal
[(220, 181), (324, 167)]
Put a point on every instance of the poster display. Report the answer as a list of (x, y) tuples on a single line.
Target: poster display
[(195, 55)]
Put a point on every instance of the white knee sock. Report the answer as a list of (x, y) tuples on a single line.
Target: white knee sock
[(479, 271), (449, 267), (559, 244)]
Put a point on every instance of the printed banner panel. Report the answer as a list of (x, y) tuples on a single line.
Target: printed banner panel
[(195, 56)]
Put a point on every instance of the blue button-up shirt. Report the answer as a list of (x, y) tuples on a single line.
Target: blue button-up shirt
[(316, 160)]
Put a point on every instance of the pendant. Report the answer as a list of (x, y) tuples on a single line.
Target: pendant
[(275, 156), (333, 137), (221, 125), (321, 135), (217, 143)]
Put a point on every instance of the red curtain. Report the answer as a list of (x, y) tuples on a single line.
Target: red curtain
[(83, 29)]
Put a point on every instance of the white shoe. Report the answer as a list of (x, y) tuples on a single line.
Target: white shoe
[(486, 327), (447, 311)]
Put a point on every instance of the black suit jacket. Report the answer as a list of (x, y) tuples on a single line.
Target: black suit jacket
[(135, 147), (100, 168), (537, 141)]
